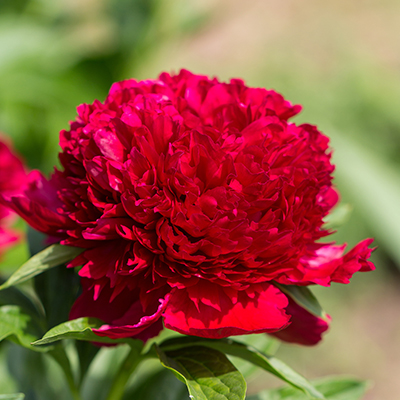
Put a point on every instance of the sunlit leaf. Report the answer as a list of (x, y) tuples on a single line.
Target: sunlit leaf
[(207, 373), (17, 326), (268, 363), (81, 329)]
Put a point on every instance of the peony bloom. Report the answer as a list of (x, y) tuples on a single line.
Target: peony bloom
[(12, 178), (192, 198)]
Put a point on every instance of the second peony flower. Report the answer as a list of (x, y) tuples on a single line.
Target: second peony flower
[(195, 201), (12, 180)]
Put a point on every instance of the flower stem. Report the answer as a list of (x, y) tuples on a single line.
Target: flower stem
[(130, 363), (59, 355)]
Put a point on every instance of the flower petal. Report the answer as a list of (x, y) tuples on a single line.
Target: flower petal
[(261, 308), (305, 328), (124, 315), (329, 265)]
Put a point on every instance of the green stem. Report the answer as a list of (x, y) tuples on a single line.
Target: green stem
[(73, 389), (126, 369), (58, 353)]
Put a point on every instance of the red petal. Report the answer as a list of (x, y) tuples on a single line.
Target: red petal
[(124, 315), (259, 309), (304, 328), (328, 265)]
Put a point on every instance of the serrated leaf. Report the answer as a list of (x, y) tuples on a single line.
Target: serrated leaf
[(50, 257), (15, 396), (268, 363), (304, 298), (81, 329), (207, 373), (15, 325), (333, 388)]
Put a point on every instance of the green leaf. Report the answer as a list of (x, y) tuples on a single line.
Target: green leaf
[(15, 396), (50, 257), (161, 385), (268, 363), (263, 343), (16, 326), (304, 298), (333, 388), (57, 290), (103, 370), (13, 296), (60, 356), (36, 375), (207, 373), (81, 329), (86, 353)]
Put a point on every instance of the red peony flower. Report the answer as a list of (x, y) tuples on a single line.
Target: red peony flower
[(12, 178), (192, 199)]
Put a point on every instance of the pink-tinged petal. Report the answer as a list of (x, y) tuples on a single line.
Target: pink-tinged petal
[(124, 315), (105, 229), (329, 265), (259, 309), (109, 145), (305, 328)]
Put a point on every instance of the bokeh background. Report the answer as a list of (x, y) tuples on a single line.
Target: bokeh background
[(339, 59)]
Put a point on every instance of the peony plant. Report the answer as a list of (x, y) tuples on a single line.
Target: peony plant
[(193, 205)]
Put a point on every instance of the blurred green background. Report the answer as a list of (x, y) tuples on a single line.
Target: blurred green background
[(340, 60)]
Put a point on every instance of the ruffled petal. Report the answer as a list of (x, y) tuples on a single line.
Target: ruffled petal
[(329, 265), (124, 315), (38, 204)]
